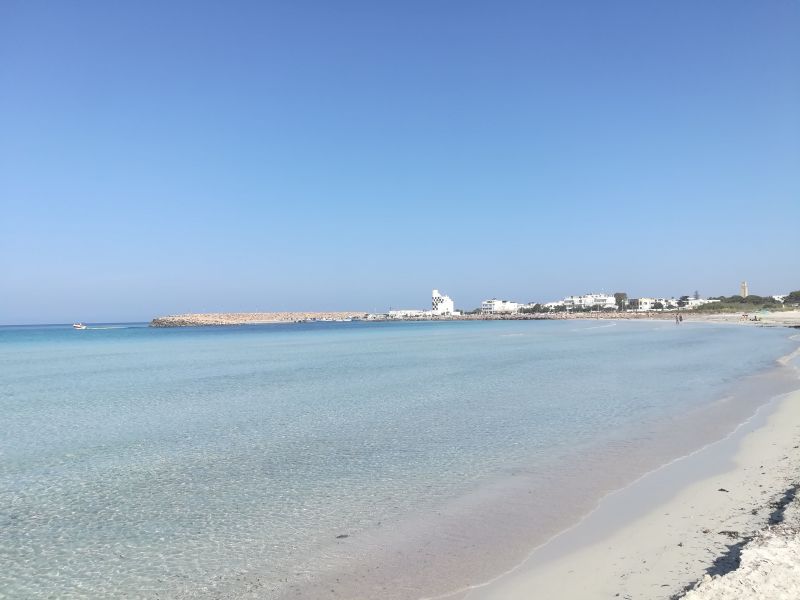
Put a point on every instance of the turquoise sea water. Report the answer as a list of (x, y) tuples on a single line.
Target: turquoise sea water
[(138, 461)]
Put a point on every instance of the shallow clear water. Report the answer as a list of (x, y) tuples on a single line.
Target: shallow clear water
[(140, 461)]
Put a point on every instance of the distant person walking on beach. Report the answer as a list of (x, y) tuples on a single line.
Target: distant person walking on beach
[(676, 320), (680, 318)]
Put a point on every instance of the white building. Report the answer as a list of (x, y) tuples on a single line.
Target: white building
[(441, 305), (695, 302), (642, 304), (601, 301), (407, 314), (647, 304), (498, 307), (554, 305)]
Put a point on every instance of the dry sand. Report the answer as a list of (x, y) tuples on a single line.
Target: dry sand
[(787, 318), (783, 318), (768, 569), (658, 536)]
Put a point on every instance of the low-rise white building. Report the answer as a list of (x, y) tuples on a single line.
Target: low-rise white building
[(406, 314), (601, 301), (499, 307), (641, 304), (648, 304), (554, 305), (695, 302)]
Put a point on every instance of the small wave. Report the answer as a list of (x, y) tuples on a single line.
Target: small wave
[(595, 327)]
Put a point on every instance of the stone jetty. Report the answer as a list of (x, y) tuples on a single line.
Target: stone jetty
[(209, 319)]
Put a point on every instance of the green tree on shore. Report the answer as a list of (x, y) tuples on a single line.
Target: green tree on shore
[(536, 308), (621, 298)]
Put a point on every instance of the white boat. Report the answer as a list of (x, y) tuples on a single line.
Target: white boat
[(78, 326)]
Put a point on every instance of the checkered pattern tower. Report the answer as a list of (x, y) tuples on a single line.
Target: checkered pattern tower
[(441, 304)]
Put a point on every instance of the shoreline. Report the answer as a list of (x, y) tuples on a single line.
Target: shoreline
[(638, 544)]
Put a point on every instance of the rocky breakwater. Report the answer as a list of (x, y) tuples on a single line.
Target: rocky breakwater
[(211, 319)]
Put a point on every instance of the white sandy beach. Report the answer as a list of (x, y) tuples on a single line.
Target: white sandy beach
[(788, 318), (687, 515), (768, 569)]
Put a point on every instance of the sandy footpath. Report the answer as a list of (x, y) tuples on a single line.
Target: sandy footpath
[(658, 536)]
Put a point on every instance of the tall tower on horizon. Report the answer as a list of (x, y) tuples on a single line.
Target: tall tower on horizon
[(743, 290)]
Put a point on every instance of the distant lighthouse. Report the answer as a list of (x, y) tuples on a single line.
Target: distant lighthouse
[(743, 290)]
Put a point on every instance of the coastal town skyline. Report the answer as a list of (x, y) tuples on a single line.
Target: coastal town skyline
[(444, 305)]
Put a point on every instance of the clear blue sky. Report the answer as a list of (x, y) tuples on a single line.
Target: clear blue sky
[(265, 156)]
